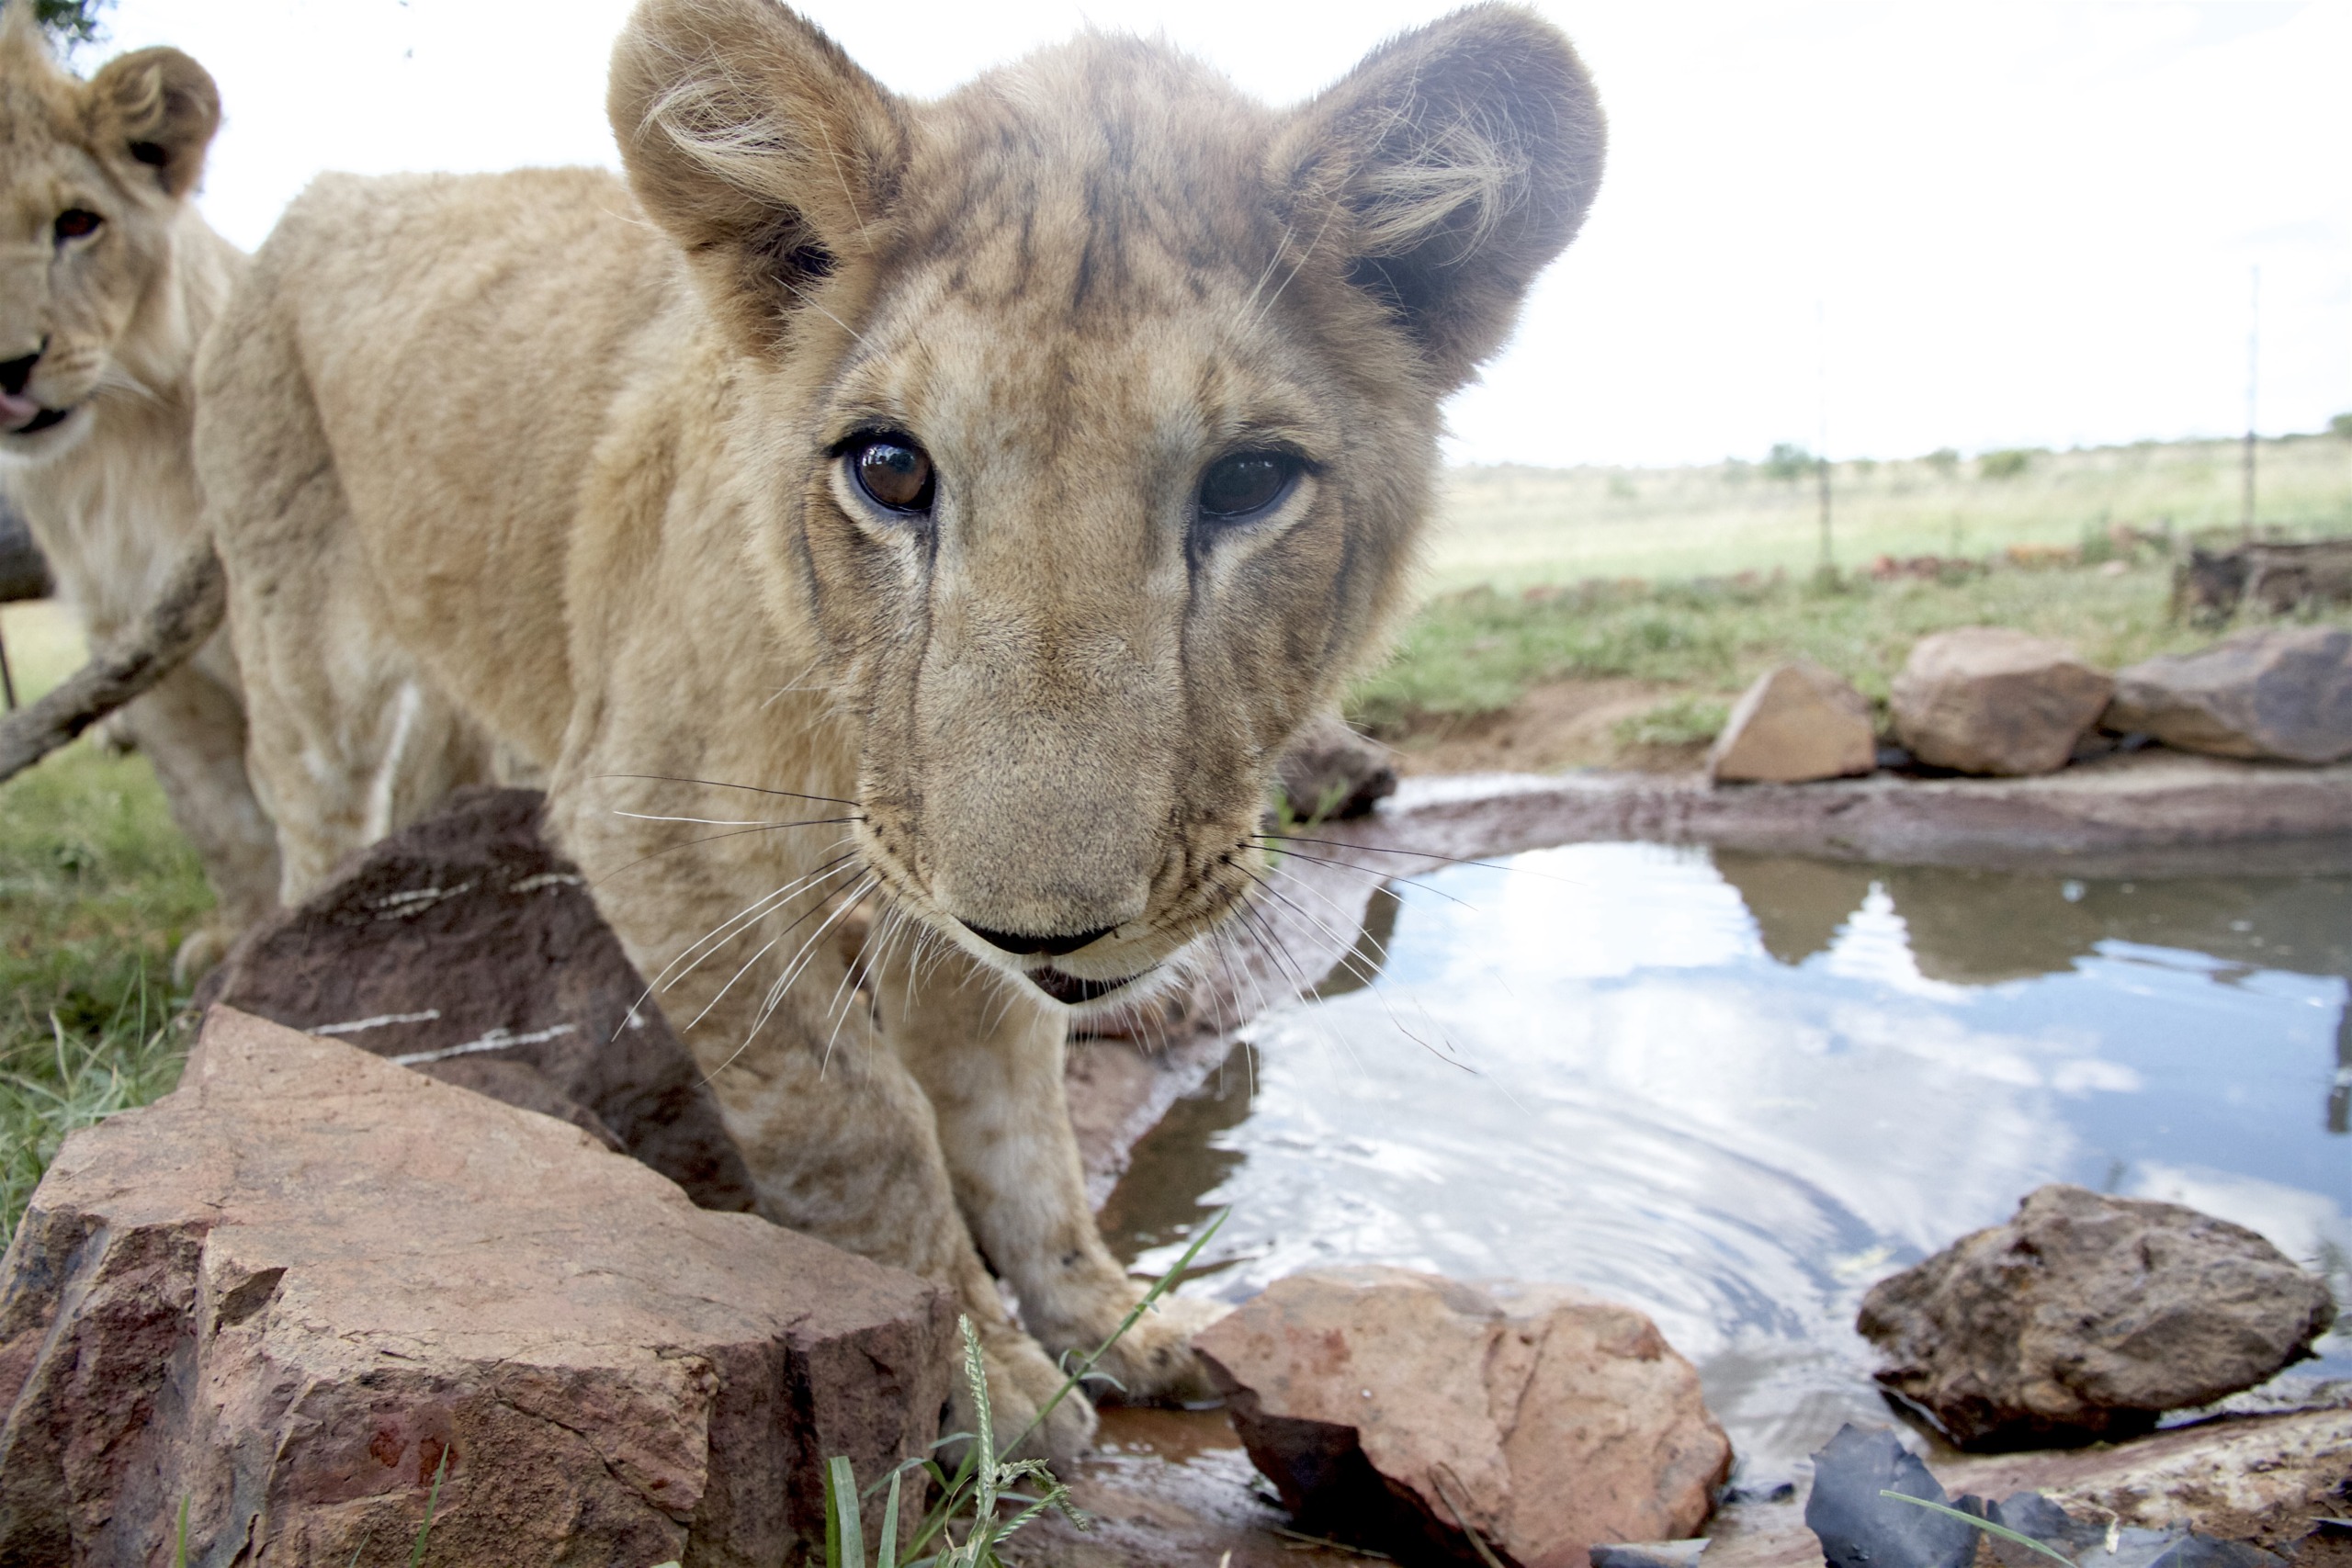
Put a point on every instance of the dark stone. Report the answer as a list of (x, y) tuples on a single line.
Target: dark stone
[(1861, 1528), (2085, 1317), (2283, 694), (466, 948), (1330, 772)]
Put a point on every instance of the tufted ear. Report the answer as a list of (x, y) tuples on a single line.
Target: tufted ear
[(156, 108), (762, 148), (1448, 168)]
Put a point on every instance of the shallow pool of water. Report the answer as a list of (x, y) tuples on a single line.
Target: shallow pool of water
[(1735, 1090)]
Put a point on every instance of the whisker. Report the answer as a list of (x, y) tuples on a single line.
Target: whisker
[(732, 821), (1417, 854), (1380, 876), (721, 783)]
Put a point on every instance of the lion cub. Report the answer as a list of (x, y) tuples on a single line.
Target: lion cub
[(108, 279), (939, 512)]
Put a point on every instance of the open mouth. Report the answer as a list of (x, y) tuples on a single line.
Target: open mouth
[(46, 418), (1069, 990)]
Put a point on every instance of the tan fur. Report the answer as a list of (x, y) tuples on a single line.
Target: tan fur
[(555, 455), (115, 318)]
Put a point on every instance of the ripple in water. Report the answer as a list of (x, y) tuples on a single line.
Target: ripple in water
[(1736, 1090)]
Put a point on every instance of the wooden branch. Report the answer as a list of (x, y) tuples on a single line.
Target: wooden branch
[(191, 607)]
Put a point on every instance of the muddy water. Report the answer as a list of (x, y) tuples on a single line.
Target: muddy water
[(1736, 1090)]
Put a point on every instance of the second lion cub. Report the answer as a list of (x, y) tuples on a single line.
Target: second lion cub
[(956, 504)]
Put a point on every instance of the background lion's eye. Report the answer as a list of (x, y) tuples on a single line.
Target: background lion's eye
[(894, 472), (1246, 483), (75, 223)]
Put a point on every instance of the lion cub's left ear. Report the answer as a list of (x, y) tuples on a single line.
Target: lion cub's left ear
[(1446, 170), (156, 108)]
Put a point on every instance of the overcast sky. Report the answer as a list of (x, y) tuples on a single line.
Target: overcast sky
[(2014, 224)]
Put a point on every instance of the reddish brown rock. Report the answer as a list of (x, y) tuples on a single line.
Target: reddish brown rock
[(1396, 1409), (2284, 694), (466, 948), (1798, 722), (1990, 700), (290, 1290), (2086, 1317), (1329, 771)]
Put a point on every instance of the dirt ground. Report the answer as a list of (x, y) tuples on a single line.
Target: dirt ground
[(1554, 727)]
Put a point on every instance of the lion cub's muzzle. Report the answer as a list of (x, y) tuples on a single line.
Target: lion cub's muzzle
[(1072, 990)]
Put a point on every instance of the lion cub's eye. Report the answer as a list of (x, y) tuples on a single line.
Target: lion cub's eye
[(1237, 488), (893, 472), (75, 223)]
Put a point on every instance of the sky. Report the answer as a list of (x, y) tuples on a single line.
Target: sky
[(1873, 229)]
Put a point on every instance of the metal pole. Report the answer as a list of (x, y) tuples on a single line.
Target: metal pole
[(2253, 383), (1821, 456), (7, 676)]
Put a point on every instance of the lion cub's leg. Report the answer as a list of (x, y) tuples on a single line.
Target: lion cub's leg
[(992, 1067), (192, 728)]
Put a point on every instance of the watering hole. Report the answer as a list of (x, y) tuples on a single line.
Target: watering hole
[(1736, 1090)]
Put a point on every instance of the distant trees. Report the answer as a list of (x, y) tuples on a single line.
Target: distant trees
[(2342, 426), (75, 21), (1787, 460), (2006, 464), (1945, 460)]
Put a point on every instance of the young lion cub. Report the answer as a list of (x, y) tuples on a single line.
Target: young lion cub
[(108, 278), (956, 506)]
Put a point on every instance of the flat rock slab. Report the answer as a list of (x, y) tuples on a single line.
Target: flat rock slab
[(1403, 1410), (463, 946), (2087, 1317), (296, 1288)]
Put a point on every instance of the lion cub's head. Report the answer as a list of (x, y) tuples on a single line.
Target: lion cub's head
[(92, 179), (1095, 416)]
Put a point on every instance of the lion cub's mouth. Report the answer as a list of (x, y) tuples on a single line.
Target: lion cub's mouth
[(1069, 990)]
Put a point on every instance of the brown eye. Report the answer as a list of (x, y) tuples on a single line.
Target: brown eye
[(75, 223), (1245, 484), (894, 472)]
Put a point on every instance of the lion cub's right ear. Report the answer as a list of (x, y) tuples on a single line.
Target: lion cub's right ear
[(762, 148), (156, 108)]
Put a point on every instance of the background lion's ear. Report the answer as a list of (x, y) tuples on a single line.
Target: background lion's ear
[(1448, 168), (157, 108), (761, 147)]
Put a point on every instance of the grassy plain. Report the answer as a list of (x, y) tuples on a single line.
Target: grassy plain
[(1516, 527)]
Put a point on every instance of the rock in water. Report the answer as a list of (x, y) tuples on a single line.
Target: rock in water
[(1330, 771), (466, 948), (2283, 694), (1397, 1409), (1797, 722), (292, 1290), (2087, 1316), (1990, 700)]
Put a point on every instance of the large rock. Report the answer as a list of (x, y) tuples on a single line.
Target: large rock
[(1797, 723), (1990, 700), (1397, 1408), (290, 1291), (24, 571), (2283, 694), (1329, 771), (2086, 1317), (466, 948)]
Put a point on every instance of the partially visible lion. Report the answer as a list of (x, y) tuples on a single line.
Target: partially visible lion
[(108, 279), (948, 509)]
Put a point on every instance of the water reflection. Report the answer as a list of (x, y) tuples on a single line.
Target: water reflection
[(1735, 1091)]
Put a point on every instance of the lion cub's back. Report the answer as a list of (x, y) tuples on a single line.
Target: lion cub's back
[(460, 339)]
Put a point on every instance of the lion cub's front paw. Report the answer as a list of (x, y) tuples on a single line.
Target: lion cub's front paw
[(1022, 1379), (1154, 1359)]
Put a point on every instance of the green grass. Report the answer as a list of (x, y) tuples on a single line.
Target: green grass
[(1475, 651), (1512, 528), (97, 887)]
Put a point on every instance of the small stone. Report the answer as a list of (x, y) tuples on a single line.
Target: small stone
[(2284, 694), (290, 1292), (2087, 1316), (1544, 1419), (464, 947), (1797, 722), (1990, 700), (1329, 771)]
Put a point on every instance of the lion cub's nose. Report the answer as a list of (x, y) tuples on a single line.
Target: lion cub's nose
[(1036, 946)]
